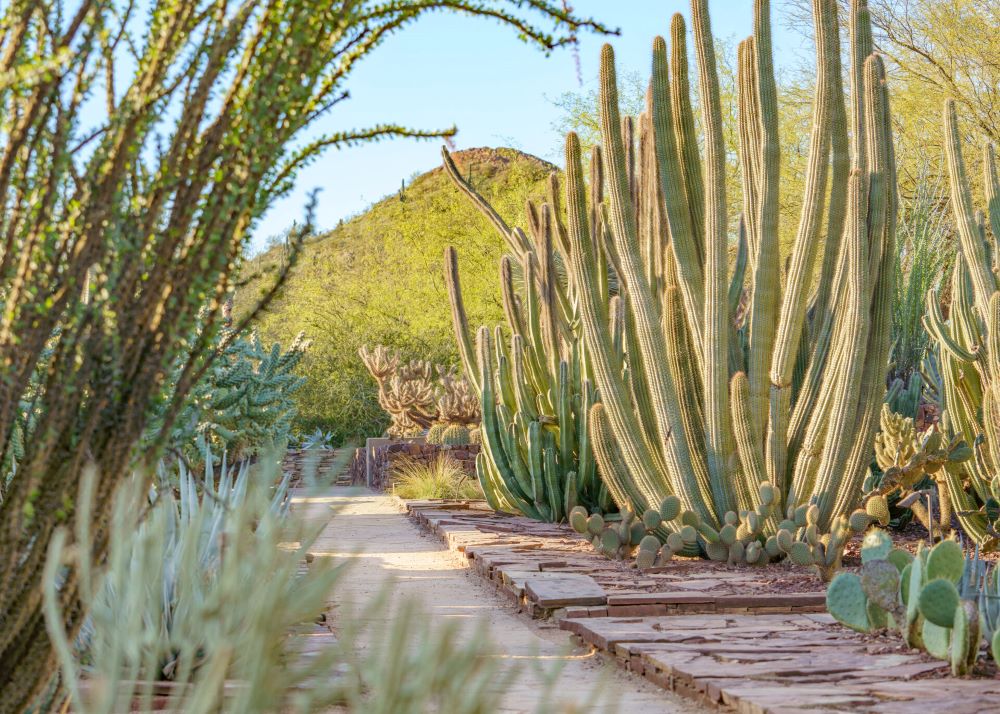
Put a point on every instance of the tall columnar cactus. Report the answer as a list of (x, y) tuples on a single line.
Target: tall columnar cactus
[(535, 391), (968, 343), (745, 396)]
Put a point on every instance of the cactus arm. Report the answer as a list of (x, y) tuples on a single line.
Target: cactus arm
[(983, 281), (511, 305), (613, 467), (792, 315), (516, 240), (747, 438), (766, 279), (684, 250), (586, 467), (736, 283), (716, 322), (564, 413), (684, 130), (934, 324), (459, 318), (868, 232)]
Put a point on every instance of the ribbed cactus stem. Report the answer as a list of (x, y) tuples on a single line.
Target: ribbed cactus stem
[(806, 245), (716, 323), (766, 279), (682, 236), (459, 319), (684, 129), (983, 281)]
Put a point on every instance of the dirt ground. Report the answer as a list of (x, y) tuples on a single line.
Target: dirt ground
[(389, 550)]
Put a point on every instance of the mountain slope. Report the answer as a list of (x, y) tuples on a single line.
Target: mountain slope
[(378, 279)]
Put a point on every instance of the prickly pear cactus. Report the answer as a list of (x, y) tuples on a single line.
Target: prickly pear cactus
[(934, 600)]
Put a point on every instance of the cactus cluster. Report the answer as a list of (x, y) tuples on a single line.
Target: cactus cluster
[(417, 394), (968, 344), (909, 461), (904, 397), (940, 601), (742, 395), (536, 390)]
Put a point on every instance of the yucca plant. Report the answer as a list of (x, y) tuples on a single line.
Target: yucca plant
[(140, 144), (737, 410), (968, 345)]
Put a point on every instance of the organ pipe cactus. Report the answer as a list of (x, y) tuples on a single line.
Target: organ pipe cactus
[(535, 392), (743, 395), (968, 345)]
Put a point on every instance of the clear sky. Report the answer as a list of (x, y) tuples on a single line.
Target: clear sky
[(450, 69)]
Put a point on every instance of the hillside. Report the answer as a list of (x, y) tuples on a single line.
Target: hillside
[(377, 278)]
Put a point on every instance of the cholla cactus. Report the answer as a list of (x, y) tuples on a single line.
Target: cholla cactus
[(968, 344), (417, 394), (906, 457), (458, 403), (405, 390)]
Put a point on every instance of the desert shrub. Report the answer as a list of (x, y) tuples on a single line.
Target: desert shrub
[(925, 253), (441, 478)]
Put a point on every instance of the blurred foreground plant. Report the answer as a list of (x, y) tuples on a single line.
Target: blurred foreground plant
[(140, 143), (208, 591)]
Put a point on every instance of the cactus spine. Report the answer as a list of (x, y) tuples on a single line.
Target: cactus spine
[(968, 344), (535, 394), (701, 382)]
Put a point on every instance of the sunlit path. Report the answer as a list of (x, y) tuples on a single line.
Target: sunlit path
[(386, 549)]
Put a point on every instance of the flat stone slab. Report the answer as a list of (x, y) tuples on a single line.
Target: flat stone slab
[(564, 589), (784, 664)]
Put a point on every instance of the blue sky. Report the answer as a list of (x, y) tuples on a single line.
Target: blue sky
[(450, 69)]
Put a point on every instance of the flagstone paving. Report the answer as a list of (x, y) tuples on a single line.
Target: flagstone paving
[(753, 640)]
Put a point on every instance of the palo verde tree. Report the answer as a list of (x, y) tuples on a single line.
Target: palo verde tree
[(114, 238)]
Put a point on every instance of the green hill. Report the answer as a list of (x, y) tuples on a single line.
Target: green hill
[(378, 278)]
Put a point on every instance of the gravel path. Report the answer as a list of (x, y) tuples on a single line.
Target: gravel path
[(369, 529)]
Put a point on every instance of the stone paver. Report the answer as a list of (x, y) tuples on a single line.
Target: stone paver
[(504, 549), (784, 664), (387, 548)]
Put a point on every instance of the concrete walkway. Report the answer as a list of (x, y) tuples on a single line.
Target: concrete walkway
[(388, 549)]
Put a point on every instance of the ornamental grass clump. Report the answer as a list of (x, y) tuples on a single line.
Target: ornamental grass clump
[(737, 410), (440, 478)]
